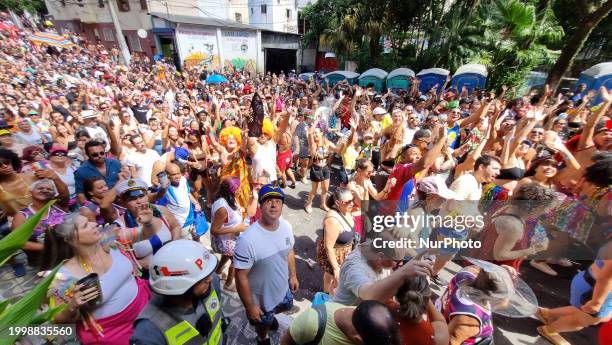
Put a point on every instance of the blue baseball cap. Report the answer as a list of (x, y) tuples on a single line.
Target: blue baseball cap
[(270, 191)]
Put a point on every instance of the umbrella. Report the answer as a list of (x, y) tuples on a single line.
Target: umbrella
[(51, 39), (216, 79)]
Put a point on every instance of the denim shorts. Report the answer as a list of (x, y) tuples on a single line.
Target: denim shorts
[(267, 319)]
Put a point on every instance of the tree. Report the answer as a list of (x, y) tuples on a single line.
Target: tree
[(590, 19), (31, 6)]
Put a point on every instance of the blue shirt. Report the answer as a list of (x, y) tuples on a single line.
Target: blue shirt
[(88, 170)]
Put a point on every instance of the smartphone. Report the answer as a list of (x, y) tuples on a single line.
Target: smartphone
[(89, 281)]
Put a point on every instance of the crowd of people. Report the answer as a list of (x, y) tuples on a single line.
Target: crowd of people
[(169, 190)]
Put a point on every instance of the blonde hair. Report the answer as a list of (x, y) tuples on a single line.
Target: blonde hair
[(231, 130)]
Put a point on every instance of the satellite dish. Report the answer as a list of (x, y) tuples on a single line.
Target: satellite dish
[(142, 33)]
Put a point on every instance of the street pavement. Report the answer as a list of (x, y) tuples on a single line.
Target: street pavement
[(551, 292)]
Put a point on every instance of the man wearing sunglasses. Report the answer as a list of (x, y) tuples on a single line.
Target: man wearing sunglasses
[(96, 165)]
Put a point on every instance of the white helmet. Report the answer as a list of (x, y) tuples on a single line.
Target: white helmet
[(179, 265)]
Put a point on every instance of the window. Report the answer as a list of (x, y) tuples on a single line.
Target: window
[(143, 5), (238, 17), (108, 35), (251, 10), (135, 43), (264, 9), (123, 5), (288, 14)]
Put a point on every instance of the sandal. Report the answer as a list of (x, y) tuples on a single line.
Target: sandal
[(308, 209), (542, 315), (543, 267), (553, 338)]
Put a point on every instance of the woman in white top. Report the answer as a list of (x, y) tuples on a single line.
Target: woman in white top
[(103, 312), (262, 149), (227, 224)]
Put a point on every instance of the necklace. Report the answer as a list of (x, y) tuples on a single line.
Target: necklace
[(86, 267)]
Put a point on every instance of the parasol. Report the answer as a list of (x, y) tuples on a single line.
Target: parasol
[(216, 79)]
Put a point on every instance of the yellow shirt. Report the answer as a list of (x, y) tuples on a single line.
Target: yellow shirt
[(387, 121), (304, 328)]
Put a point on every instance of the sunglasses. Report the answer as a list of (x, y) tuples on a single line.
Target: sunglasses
[(345, 202), (59, 154), (537, 132), (134, 194), (97, 154)]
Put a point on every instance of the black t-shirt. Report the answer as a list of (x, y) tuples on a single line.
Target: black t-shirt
[(140, 113)]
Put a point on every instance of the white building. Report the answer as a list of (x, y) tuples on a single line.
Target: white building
[(274, 15)]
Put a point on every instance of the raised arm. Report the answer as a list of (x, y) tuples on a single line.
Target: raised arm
[(428, 159), (586, 137)]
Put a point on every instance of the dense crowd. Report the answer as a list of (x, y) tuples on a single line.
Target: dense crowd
[(169, 190)]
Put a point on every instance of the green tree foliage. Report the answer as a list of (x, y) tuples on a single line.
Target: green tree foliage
[(511, 37), (31, 6)]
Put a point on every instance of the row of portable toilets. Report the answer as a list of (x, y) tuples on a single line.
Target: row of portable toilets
[(471, 76)]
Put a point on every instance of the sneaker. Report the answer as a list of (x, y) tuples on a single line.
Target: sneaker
[(19, 270)]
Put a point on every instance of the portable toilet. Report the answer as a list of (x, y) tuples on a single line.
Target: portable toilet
[(399, 79), (431, 77), (596, 77), (306, 76), (375, 76), (335, 77), (473, 76)]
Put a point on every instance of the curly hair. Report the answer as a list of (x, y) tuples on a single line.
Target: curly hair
[(532, 196), (231, 130), (12, 157)]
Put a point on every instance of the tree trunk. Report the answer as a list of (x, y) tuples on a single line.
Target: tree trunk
[(375, 49), (574, 44)]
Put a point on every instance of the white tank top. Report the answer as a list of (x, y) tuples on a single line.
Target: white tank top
[(265, 159)]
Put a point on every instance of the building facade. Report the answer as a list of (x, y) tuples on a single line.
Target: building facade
[(274, 15)]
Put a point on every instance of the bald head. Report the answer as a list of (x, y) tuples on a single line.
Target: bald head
[(174, 173)]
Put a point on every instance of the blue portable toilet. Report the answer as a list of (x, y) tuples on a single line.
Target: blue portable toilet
[(430, 77), (596, 77), (399, 79), (473, 76), (306, 76), (375, 76), (334, 77)]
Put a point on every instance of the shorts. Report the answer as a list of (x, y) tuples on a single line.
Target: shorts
[(442, 233), (267, 319), (284, 160), (318, 173), (224, 247), (581, 292)]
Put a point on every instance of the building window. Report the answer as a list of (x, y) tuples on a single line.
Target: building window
[(123, 5), (251, 10), (143, 5), (264, 9), (288, 11), (238, 17), (135, 43), (108, 35)]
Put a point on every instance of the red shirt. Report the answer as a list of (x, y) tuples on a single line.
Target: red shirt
[(402, 173), (421, 333)]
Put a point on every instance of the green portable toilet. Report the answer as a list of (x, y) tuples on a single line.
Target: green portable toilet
[(375, 76), (399, 79), (335, 77)]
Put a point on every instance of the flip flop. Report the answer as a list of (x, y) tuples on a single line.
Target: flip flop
[(308, 209), (542, 315), (553, 338)]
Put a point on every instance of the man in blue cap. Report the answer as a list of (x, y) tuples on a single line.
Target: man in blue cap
[(265, 264)]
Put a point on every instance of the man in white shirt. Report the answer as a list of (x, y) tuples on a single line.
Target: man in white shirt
[(468, 190), (179, 200), (142, 158)]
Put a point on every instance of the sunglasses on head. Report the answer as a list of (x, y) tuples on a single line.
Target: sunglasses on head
[(134, 194)]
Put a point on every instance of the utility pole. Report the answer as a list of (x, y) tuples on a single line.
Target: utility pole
[(125, 52)]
